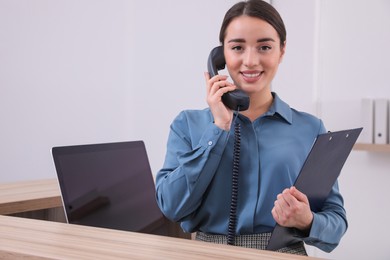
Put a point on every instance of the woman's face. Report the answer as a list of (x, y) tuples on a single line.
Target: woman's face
[(252, 52)]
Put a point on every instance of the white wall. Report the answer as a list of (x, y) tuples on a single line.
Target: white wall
[(90, 71), (64, 80)]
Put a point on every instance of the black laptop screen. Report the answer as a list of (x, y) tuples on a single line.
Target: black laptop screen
[(107, 185)]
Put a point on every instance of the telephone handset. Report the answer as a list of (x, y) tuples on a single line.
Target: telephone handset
[(236, 99)]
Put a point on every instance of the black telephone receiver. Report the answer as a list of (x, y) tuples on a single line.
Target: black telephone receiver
[(236, 99)]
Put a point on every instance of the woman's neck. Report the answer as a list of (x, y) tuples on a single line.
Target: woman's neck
[(259, 104)]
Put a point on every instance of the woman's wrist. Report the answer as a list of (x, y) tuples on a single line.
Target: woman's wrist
[(223, 126)]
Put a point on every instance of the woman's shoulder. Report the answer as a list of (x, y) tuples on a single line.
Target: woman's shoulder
[(194, 117), (307, 119), (195, 112), (291, 114), (304, 115)]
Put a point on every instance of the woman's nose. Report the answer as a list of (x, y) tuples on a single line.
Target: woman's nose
[(251, 58)]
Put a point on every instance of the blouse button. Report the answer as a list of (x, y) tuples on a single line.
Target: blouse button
[(210, 142)]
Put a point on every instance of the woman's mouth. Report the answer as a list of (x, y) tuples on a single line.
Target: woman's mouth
[(251, 76)]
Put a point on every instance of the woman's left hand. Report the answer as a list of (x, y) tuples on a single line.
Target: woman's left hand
[(292, 209)]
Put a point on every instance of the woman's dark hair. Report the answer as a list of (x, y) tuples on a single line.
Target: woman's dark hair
[(258, 9)]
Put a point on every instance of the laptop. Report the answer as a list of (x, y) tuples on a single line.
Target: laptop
[(109, 185)]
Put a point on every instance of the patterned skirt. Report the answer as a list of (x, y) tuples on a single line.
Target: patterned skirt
[(257, 241)]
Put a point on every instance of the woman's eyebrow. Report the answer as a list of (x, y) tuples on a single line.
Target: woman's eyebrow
[(237, 40), (240, 40), (266, 40)]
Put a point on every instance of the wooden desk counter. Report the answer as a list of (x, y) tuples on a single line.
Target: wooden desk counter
[(27, 196), (39, 239)]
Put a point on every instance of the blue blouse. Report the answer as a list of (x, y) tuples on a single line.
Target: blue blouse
[(194, 185)]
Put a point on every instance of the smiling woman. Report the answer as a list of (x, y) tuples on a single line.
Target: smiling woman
[(195, 184)]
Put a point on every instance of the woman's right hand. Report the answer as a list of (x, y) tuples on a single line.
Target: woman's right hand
[(216, 87)]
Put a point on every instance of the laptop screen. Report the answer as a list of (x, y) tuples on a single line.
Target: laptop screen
[(108, 185)]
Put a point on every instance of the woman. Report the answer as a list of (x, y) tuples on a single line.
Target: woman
[(195, 184)]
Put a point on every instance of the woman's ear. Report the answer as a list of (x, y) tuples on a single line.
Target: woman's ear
[(282, 51)]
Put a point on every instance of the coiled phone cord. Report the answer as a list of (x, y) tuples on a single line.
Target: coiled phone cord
[(234, 198)]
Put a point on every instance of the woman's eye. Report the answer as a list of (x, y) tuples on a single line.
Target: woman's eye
[(264, 48), (237, 48)]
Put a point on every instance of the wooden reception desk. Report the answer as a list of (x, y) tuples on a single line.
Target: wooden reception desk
[(39, 199), (30, 238), (28, 196), (39, 239)]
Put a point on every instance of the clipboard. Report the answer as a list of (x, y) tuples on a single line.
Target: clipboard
[(317, 177)]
